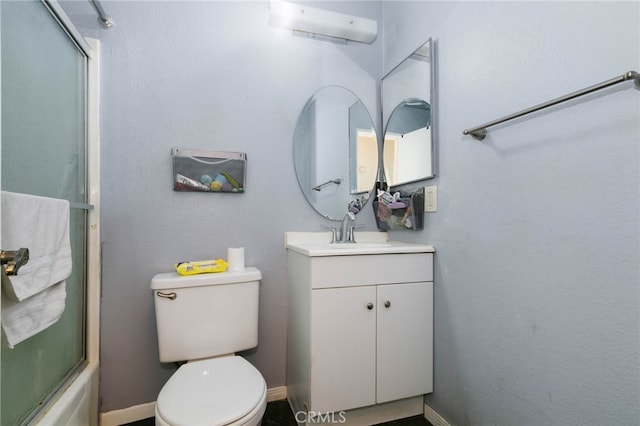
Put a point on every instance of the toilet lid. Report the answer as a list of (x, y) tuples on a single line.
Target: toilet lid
[(211, 392)]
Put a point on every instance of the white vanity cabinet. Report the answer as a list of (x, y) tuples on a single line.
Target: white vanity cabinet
[(360, 329), (366, 353)]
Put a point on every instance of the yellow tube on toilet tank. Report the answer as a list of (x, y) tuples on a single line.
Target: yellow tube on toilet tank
[(201, 267)]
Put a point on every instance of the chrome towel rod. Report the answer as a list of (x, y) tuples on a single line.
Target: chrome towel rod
[(103, 19), (480, 132), (319, 187)]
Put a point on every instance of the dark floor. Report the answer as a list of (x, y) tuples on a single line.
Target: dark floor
[(279, 414)]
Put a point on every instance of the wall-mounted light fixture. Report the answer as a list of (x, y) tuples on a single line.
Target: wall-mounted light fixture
[(312, 20)]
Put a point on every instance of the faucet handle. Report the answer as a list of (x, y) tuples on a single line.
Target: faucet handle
[(333, 232), (352, 232)]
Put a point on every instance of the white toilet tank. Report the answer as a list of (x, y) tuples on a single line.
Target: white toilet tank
[(201, 316)]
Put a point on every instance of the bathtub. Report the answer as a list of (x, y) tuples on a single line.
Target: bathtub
[(77, 404)]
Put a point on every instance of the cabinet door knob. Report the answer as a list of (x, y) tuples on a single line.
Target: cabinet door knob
[(369, 305), (387, 304)]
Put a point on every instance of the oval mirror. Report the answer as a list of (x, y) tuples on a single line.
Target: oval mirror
[(409, 143), (335, 152)]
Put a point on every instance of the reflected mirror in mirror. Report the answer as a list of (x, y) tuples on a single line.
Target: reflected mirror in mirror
[(407, 99), (407, 151), (335, 152)]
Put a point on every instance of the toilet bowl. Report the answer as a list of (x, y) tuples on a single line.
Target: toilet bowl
[(205, 319), (225, 391)]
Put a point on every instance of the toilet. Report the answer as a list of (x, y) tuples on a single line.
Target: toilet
[(204, 319)]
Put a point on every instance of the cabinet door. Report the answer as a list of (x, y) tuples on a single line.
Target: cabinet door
[(405, 340), (343, 354)]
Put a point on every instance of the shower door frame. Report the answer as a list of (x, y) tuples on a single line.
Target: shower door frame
[(51, 411)]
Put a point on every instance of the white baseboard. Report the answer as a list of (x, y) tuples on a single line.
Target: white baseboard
[(145, 411), (365, 416), (433, 417), (277, 394)]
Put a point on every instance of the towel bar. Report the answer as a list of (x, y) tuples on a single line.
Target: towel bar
[(12, 260), (480, 132), (319, 187)]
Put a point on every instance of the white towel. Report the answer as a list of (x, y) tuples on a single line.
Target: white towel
[(21, 320), (35, 298), (40, 224)]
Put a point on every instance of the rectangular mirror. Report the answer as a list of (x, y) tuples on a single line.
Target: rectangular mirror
[(407, 114)]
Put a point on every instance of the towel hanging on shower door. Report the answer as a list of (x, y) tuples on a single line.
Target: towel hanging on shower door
[(35, 298)]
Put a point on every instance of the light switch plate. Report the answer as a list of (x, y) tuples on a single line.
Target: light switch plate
[(431, 199)]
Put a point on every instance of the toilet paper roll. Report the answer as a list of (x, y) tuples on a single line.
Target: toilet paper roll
[(235, 257)]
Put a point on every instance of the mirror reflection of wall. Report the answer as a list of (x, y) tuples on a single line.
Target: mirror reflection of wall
[(408, 150), (335, 152), (366, 159), (363, 149)]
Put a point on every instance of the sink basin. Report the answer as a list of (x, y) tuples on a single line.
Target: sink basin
[(316, 244)]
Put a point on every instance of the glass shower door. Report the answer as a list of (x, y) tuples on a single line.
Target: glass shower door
[(44, 153)]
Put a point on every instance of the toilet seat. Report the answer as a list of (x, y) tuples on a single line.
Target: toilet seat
[(213, 392)]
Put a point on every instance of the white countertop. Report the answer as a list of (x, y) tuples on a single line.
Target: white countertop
[(319, 244)]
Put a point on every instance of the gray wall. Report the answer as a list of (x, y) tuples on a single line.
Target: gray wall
[(208, 75), (537, 233), (536, 297)]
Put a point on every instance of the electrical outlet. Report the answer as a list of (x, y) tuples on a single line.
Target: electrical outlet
[(431, 199)]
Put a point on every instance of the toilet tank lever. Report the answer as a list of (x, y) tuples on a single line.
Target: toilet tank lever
[(172, 295)]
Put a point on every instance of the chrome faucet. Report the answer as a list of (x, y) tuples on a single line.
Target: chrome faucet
[(345, 230)]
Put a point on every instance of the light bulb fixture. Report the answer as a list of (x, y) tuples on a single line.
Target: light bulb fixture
[(312, 20)]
